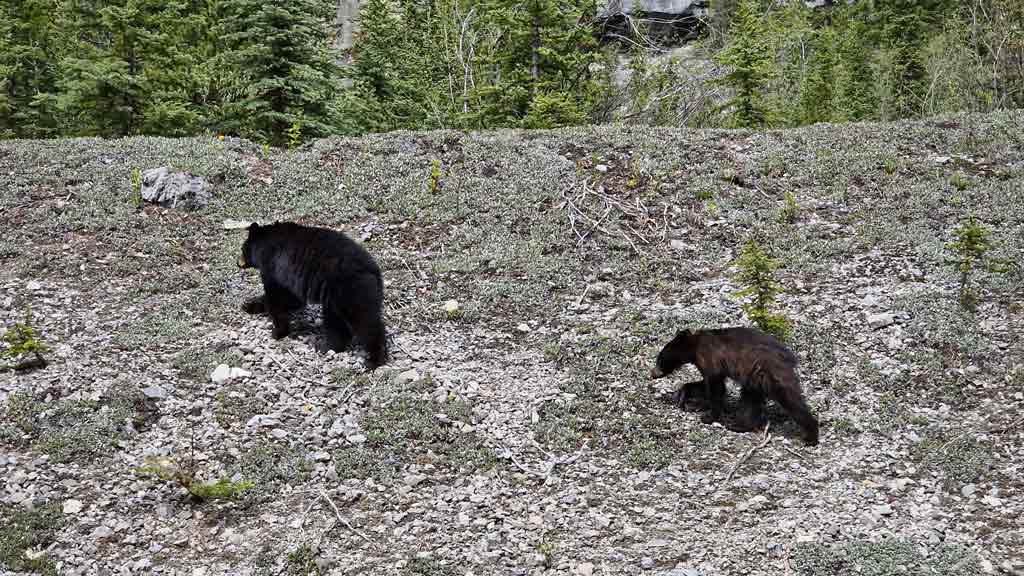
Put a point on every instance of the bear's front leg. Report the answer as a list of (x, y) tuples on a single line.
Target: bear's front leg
[(255, 306), (714, 390), (279, 303), (687, 391)]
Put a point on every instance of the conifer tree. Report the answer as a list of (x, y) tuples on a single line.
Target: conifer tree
[(541, 64), (122, 63), (375, 72), (176, 75), (817, 89), (29, 45), (483, 63), (282, 77), (791, 31), (853, 95), (750, 64), (404, 63), (903, 27)]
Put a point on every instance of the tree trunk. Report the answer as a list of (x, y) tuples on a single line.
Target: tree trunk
[(535, 53)]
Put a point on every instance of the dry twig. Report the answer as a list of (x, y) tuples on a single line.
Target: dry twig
[(292, 373), (767, 438), (582, 296), (326, 498), (795, 453), (549, 466), (1003, 429)]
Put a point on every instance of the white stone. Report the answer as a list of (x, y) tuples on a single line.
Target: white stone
[(876, 321), (231, 224), (155, 392), (262, 420), (413, 480), (409, 376), (222, 373)]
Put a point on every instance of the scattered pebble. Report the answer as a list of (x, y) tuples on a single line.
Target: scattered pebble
[(155, 393), (877, 321), (72, 506)]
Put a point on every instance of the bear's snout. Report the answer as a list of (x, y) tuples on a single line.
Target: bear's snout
[(241, 262), (656, 372)]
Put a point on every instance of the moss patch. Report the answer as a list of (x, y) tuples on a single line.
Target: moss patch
[(23, 536)]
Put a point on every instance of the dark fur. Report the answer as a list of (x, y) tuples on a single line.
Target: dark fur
[(762, 366), (302, 265)]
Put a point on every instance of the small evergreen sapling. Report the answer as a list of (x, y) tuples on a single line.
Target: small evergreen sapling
[(757, 275), (790, 210), (168, 470), (295, 133), (435, 176), (137, 187), (889, 165), (959, 181), (24, 346), (970, 250)]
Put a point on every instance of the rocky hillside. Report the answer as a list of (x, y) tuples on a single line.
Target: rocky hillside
[(531, 279)]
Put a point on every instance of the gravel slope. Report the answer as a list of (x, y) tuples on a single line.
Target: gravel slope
[(516, 431)]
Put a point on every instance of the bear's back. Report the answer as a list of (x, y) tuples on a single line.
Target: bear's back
[(740, 346), (322, 243)]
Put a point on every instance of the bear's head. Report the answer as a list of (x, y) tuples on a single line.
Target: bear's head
[(678, 351), (247, 259)]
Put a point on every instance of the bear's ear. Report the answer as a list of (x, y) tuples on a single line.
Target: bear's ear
[(254, 227), (683, 334)]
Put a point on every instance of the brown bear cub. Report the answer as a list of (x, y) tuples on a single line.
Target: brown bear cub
[(762, 366), (302, 265)]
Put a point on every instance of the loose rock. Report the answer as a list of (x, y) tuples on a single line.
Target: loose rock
[(222, 373), (174, 189)]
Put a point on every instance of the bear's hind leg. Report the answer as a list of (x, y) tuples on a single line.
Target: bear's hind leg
[(792, 401), (369, 325), (337, 333), (376, 340), (361, 309), (369, 328), (751, 412)]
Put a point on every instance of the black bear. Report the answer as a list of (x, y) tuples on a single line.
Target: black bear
[(759, 363), (302, 265)]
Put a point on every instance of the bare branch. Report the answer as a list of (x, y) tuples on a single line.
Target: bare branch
[(767, 438)]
